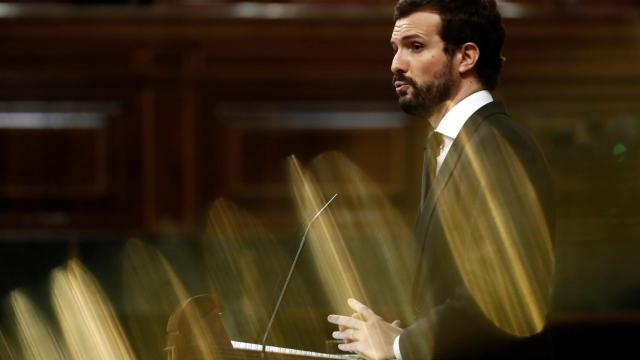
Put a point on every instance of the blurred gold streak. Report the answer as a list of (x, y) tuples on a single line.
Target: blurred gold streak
[(146, 291), (35, 335), (234, 259), (380, 244), (508, 269), (152, 267), (6, 353), (332, 259), (89, 324), (199, 328)]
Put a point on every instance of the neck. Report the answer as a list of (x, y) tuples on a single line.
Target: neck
[(466, 88)]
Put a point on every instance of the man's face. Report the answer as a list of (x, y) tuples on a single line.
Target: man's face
[(422, 72)]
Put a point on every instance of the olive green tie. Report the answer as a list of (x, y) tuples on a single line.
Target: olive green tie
[(430, 163)]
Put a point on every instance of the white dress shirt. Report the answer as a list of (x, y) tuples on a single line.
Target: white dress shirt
[(449, 127), (455, 118)]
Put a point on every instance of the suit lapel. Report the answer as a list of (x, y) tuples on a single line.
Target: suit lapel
[(451, 160), (442, 179)]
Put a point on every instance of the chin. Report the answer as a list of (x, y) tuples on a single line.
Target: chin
[(405, 101), (410, 108)]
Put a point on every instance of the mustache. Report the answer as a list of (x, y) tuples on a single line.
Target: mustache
[(405, 79)]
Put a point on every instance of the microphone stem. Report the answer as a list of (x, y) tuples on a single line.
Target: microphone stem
[(286, 282)]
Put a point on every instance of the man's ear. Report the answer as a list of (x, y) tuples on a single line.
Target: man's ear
[(469, 54)]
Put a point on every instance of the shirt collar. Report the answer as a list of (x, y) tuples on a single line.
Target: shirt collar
[(455, 118)]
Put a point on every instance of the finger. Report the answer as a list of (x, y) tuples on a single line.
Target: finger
[(344, 321), (349, 334), (352, 347), (396, 323), (355, 316), (362, 309)]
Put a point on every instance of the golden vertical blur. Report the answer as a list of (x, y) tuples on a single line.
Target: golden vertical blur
[(247, 266), (6, 351), (505, 255), (36, 336), (380, 244), (361, 246), (330, 255), (152, 288), (89, 324), (234, 270)]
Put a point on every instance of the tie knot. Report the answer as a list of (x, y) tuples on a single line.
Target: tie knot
[(434, 143)]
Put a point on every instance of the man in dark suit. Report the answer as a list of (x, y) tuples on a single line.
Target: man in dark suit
[(484, 229)]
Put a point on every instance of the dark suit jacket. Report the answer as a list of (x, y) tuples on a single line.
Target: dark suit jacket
[(484, 233)]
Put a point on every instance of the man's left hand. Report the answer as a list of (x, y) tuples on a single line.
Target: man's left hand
[(367, 334)]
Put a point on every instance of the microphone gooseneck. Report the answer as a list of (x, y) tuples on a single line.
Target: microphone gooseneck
[(286, 282)]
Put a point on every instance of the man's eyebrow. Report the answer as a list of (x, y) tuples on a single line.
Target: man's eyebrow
[(411, 37), (408, 37)]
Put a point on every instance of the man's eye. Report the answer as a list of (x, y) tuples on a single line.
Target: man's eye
[(417, 46)]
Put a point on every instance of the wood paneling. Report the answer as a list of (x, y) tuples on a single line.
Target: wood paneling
[(34, 171), (197, 89), (256, 142)]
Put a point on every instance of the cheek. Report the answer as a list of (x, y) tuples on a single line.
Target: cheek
[(424, 70), (428, 65)]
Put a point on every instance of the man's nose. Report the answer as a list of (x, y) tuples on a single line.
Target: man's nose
[(399, 64)]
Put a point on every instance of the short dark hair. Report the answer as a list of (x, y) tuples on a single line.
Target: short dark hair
[(463, 21)]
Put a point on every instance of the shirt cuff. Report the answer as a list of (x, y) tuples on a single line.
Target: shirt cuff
[(396, 348)]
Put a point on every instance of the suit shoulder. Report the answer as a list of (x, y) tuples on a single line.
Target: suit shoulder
[(504, 125), (501, 127)]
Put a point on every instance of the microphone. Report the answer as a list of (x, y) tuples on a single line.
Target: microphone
[(286, 282)]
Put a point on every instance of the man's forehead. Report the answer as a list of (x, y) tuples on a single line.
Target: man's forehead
[(423, 23)]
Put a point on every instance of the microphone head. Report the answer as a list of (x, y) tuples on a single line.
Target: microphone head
[(195, 330)]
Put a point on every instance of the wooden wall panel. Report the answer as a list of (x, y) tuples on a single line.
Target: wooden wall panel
[(69, 161), (34, 171), (177, 145), (257, 142)]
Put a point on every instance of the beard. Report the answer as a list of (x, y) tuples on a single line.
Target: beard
[(427, 97)]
